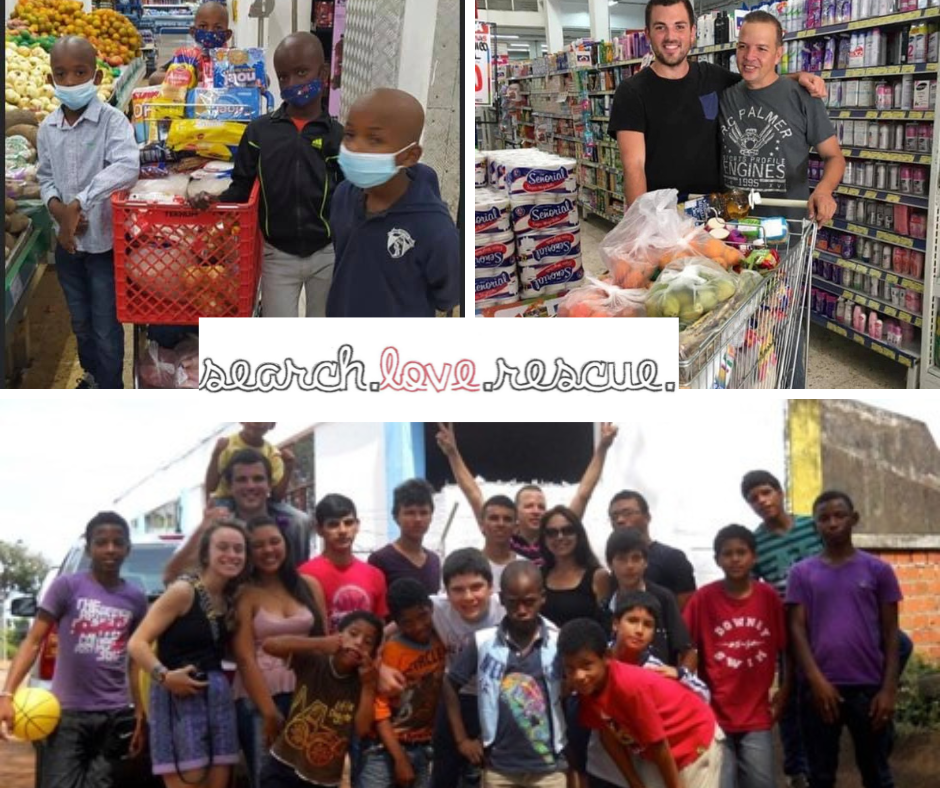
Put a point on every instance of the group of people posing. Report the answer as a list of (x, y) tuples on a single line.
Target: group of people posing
[(535, 665), (350, 217)]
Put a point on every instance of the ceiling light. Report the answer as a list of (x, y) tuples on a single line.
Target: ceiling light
[(499, 35)]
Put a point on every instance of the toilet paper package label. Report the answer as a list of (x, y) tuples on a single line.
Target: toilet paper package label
[(494, 250), (497, 284), (546, 212), (547, 248), (549, 177), (551, 278)]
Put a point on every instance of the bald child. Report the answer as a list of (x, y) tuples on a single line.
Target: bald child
[(397, 248), (86, 153), (293, 152)]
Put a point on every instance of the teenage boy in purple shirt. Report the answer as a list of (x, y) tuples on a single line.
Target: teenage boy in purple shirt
[(843, 619), (96, 612), (412, 510)]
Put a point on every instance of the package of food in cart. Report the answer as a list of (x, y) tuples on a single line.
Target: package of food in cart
[(223, 103), (601, 299), (689, 288), (207, 138), (239, 68), (652, 234)]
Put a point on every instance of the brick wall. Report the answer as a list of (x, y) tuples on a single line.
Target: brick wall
[(919, 575)]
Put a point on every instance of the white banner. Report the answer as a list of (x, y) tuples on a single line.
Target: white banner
[(483, 62), (400, 367)]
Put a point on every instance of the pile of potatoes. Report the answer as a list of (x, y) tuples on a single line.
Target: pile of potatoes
[(16, 224)]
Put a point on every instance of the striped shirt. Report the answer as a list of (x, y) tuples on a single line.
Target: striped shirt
[(777, 553), (88, 162)]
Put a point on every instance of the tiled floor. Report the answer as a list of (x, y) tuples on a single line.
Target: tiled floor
[(834, 362)]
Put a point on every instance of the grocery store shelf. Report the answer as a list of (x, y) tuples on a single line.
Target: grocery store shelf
[(555, 115), (591, 209), (567, 138), (930, 378), (883, 155), (595, 188), (872, 271), (601, 92), (880, 235), (599, 166), (730, 47), (877, 71), (862, 24), (883, 196), (882, 114), (866, 300), (904, 354)]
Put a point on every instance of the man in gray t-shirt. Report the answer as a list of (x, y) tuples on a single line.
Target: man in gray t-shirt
[(768, 125)]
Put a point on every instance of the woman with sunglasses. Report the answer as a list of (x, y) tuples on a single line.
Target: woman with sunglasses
[(575, 582)]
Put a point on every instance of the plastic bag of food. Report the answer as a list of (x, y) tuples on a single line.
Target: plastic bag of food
[(689, 288), (653, 233), (170, 190), (157, 367), (187, 364), (209, 138), (212, 185), (18, 153), (601, 299)]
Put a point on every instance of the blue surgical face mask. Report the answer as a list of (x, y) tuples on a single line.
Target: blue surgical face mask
[(366, 170), (302, 95), (77, 96), (210, 39)]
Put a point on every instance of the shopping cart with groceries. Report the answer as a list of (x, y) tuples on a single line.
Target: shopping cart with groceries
[(762, 343)]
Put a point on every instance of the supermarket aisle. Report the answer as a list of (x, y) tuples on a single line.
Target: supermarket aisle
[(834, 362)]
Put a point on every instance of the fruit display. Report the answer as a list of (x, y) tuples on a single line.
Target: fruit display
[(115, 37), (27, 86)]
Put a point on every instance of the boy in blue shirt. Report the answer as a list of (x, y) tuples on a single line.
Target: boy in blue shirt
[(522, 724), (86, 153), (397, 247)]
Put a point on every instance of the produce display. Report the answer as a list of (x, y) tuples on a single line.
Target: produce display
[(114, 35), (15, 225), (27, 86), (20, 155)]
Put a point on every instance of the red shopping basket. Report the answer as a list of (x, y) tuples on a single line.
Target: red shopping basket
[(173, 264)]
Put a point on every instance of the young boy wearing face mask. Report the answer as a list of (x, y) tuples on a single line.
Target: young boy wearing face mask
[(86, 152), (293, 152), (210, 31), (397, 247)]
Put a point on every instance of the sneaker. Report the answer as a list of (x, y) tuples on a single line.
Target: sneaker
[(797, 781), (87, 381)]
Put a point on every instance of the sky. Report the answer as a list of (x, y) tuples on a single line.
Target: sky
[(59, 464)]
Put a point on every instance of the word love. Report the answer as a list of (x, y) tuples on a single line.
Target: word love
[(416, 376)]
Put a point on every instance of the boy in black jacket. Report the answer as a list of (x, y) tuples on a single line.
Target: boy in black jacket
[(397, 247), (293, 153)]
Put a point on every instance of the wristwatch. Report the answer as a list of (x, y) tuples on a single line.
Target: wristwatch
[(158, 673)]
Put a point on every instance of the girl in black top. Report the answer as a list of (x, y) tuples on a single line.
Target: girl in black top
[(192, 715)]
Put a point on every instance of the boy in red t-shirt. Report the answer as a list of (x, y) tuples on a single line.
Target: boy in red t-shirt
[(348, 583), (640, 712), (738, 626)]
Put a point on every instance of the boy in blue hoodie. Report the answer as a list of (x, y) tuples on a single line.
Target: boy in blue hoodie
[(397, 247)]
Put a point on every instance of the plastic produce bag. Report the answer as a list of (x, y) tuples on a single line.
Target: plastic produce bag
[(652, 234), (689, 288), (600, 299)]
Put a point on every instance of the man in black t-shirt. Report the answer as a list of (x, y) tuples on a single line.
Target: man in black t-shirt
[(666, 566), (665, 118)]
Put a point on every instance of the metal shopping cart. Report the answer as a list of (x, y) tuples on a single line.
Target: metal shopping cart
[(761, 342)]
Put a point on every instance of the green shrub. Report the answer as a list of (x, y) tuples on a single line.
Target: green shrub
[(914, 711)]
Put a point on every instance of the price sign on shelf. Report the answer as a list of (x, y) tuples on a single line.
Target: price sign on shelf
[(483, 64)]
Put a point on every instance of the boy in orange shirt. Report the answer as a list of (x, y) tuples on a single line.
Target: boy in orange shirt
[(398, 752)]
